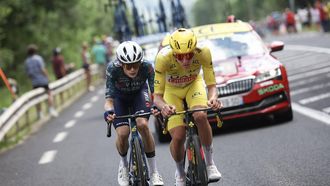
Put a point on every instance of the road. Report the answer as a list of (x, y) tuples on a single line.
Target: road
[(73, 149)]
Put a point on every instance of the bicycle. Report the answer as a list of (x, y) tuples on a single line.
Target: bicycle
[(138, 169), (196, 169)]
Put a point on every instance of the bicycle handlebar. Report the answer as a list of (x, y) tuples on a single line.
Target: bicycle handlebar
[(137, 114), (218, 116)]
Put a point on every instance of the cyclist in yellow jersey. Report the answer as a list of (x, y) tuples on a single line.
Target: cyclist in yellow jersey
[(177, 77)]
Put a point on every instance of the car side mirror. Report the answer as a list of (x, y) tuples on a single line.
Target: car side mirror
[(276, 46)]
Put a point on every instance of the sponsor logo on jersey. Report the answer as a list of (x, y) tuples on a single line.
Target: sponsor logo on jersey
[(182, 79)]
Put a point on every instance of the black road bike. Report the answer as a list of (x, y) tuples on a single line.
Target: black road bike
[(138, 168), (196, 169)]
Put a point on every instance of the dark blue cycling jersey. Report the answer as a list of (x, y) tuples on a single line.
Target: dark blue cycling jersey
[(119, 84)]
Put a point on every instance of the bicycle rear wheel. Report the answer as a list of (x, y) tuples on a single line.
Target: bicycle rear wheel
[(197, 173), (139, 174)]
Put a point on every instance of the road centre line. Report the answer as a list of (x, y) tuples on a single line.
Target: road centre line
[(314, 98), (70, 124), (78, 114), (47, 157), (87, 106), (315, 114), (94, 98), (60, 137), (308, 89)]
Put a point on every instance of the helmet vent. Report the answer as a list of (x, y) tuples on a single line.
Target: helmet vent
[(125, 51), (134, 48), (189, 43), (177, 45), (129, 59)]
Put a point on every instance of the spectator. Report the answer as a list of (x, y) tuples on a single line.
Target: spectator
[(85, 55), (100, 56), (323, 11), (58, 63), (35, 68), (290, 21)]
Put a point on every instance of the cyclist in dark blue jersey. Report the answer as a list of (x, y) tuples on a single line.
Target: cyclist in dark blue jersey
[(127, 82)]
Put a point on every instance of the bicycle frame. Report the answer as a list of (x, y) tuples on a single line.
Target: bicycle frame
[(196, 171), (135, 138)]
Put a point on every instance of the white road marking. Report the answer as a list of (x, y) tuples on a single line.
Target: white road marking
[(314, 98), (60, 137), (315, 114), (47, 157), (326, 110), (306, 81), (308, 48), (309, 74), (87, 106), (308, 89), (94, 98), (78, 114), (70, 124)]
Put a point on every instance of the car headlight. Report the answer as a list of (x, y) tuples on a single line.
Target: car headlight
[(271, 74)]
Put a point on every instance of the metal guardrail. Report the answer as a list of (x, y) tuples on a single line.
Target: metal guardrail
[(68, 85)]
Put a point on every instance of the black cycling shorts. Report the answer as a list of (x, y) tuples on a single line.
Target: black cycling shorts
[(129, 104)]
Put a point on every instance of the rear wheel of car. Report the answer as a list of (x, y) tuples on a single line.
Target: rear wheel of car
[(161, 137), (284, 116)]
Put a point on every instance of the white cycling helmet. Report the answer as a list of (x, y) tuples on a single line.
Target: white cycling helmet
[(129, 52)]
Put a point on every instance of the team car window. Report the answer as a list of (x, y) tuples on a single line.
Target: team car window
[(237, 44)]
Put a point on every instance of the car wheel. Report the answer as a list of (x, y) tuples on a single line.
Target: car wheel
[(161, 137), (284, 116)]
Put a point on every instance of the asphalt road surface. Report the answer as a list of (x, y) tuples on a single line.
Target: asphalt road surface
[(73, 149)]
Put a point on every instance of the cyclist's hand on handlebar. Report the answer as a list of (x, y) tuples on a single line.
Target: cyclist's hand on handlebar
[(168, 110), (109, 116), (215, 104), (155, 111)]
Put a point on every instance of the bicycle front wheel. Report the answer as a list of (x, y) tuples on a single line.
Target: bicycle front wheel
[(139, 173), (197, 173)]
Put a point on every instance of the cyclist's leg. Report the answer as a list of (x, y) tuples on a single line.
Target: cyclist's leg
[(142, 102), (122, 129), (197, 98), (176, 128)]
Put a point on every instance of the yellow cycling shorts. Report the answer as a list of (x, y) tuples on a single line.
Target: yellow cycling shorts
[(195, 95)]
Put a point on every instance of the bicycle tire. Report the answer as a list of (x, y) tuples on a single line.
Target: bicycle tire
[(138, 165), (197, 172)]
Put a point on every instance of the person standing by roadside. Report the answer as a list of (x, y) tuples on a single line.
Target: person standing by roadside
[(35, 68), (99, 52), (58, 63), (85, 55)]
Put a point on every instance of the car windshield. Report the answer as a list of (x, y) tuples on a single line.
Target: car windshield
[(236, 44)]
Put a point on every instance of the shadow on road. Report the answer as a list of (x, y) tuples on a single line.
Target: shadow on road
[(246, 124)]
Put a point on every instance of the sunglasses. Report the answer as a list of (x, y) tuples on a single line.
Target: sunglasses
[(130, 66), (187, 56)]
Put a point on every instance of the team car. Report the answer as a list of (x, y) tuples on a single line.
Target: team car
[(250, 80)]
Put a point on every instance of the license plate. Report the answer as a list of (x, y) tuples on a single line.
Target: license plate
[(231, 101)]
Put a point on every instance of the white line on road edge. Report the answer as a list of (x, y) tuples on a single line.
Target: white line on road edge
[(309, 74), (60, 137), (326, 110), (47, 157), (315, 114), (308, 48), (70, 124)]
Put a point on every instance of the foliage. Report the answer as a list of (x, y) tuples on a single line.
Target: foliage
[(212, 11), (48, 24)]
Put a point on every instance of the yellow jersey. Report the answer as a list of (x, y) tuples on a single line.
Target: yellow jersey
[(168, 72)]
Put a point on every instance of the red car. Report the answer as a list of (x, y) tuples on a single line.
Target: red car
[(250, 80)]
